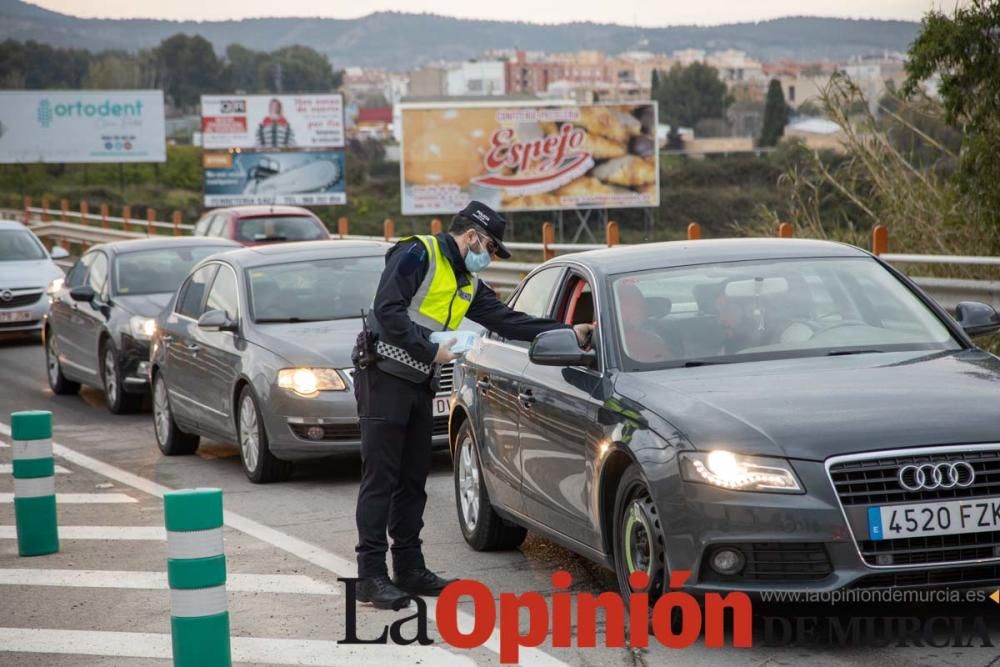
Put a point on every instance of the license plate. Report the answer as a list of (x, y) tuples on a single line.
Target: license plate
[(15, 316), (944, 518), (441, 405)]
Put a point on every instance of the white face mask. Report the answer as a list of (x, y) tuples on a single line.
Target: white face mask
[(477, 261)]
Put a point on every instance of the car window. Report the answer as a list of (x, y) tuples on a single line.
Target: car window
[(159, 270), (223, 295), (97, 277), (745, 311), (18, 245), (313, 290), (78, 274), (217, 226), (283, 228), (536, 295), (201, 227), (192, 294)]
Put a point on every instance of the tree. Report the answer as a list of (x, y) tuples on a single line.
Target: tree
[(187, 67), (686, 95), (115, 71), (775, 115), (298, 69), (242, 65), (963, 52)]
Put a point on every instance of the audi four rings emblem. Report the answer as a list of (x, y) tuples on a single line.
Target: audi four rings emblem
[(6, 295), (931, 476)]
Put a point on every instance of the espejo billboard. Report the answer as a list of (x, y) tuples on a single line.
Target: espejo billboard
[(526, 156), (298, 178), (272, 121), (82, 126)]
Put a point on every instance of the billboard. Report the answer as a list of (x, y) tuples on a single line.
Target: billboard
[(528, 157), (82, 126), (301, 178), (272, 121)]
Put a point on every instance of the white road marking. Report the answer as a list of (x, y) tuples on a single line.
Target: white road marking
[(304, 550), (80, 498), (297, 584), (244, 649), (98, 533), (8, 469)]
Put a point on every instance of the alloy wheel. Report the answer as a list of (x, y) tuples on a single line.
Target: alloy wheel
[(110, 376), (161, 410), (249, 433), (468, 484)]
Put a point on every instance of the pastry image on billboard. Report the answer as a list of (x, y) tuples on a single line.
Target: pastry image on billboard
[(520, 157)]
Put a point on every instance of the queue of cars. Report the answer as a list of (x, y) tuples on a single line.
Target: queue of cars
[(765, 414)]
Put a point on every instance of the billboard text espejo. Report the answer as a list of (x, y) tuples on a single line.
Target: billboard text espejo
[(521, 158)]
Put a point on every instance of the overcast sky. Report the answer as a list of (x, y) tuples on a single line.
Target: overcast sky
[(627, 12)]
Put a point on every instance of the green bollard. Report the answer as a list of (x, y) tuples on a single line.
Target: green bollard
[(34, 483), (196, 571)]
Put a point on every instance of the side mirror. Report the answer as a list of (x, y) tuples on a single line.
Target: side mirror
[(83, 293), (59, 252), (216, 320), (559, 348), (977, 319)]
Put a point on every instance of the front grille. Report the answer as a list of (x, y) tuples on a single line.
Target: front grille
[(17, 325), (20, 300), (973, 576), (873, 482), (447, 379), (932, 548), (777, 561), (331, 432)]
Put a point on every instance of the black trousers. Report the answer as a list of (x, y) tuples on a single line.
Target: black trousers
[(396, 429)]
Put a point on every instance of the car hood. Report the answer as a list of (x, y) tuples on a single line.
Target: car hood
[(317, 344), (29, 273), (146, 305), (820, 407)]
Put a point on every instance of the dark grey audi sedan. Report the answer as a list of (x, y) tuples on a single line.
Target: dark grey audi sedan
[(255, 348), (767, 414)]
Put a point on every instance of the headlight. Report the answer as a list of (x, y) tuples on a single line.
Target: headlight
[(55, 286), (739, 473), (142, 328), (310, 381)]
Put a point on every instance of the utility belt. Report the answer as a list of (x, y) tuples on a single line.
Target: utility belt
[(371, 351)]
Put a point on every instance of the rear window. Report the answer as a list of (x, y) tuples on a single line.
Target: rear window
[(280, 228), (161, 270)]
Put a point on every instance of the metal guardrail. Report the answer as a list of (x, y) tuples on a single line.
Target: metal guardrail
[(505, 275)]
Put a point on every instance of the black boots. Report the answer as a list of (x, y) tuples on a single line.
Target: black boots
[(381, 593), (420, 581)]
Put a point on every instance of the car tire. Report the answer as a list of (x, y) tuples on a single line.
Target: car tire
[(57, 381), (171, 440), (482, 527), (638, 539), (119, 401), (259, 464)]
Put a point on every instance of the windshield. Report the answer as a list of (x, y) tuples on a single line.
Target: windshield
[(310, 291), (289, 228), (744, 311), (153, 271), (17, 245)]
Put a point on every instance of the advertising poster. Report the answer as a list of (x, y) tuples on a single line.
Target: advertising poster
[(526, 158), (304, 178), (272, 121), (82, 126)]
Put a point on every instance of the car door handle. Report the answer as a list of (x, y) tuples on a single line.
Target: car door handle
[(526, 398), (483, 384), (192, 347)]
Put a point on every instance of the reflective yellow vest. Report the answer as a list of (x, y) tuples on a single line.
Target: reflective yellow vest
[(439, 303)]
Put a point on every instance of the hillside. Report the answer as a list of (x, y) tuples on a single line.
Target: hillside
[(395, 40)]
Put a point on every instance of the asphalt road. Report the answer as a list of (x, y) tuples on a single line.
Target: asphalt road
[(61, 610)]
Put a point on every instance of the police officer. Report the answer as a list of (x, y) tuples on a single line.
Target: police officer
[(429, 284)]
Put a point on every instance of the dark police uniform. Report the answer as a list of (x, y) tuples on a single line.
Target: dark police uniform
[(425, 287)]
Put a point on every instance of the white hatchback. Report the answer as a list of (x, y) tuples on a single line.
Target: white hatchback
[(27, 272)]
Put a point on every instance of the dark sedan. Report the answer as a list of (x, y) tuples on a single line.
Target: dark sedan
[(766, 414), (102, 316), (256, 348)]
